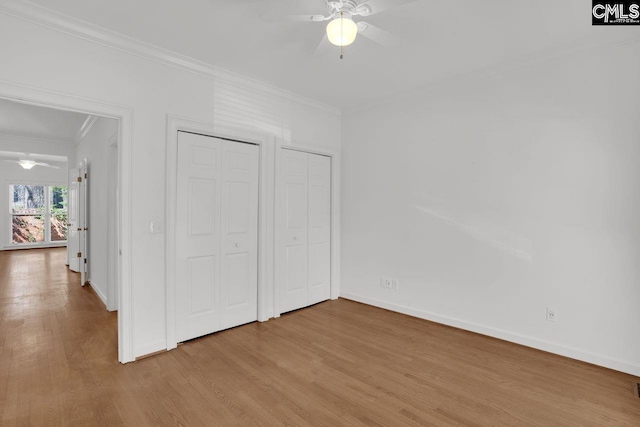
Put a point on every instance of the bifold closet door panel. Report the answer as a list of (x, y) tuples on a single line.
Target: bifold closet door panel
[(294, 220), (240, 171), (198, 251), (216, 235), (319, 228)]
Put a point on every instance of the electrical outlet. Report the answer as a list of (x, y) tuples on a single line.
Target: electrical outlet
[(552, 314), (386, 283)]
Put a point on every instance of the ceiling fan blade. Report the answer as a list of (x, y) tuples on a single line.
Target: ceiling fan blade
[(293, 18), (323, 47), (370, 7), (47, 165), (375, 34)]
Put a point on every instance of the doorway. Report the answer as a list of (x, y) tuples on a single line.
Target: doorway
[(264, 144), (122, 117)]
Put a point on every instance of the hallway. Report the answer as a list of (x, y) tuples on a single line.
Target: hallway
[(56, 340)]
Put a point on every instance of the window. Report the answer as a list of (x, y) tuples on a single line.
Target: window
[(38, 214)]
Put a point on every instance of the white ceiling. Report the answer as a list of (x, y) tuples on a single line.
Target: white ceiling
[(32, 121), (442, 40)]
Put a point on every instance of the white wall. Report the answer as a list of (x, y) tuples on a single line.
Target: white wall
[(45, 58), (493, 199), (14, 173), (95, 148)]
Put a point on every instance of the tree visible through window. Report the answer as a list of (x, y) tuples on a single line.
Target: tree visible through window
[(38, 213), (58, 206)]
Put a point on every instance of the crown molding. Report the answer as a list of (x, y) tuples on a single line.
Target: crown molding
[(86, 128), (55, 20)]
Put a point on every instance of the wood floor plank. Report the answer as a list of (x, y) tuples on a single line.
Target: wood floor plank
[(338, 363)]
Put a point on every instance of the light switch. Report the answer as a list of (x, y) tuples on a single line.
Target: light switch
[(156, 227)]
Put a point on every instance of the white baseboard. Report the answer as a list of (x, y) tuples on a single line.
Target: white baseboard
[(98, 292), (150, 348), (33, 246), (573, 353)]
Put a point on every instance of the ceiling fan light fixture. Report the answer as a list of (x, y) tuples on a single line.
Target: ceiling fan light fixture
[(342, 31), (27, 164)]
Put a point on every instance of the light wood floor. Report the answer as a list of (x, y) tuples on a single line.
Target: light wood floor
[(337, 363)]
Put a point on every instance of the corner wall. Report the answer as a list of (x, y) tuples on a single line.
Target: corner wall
[(495, 199)]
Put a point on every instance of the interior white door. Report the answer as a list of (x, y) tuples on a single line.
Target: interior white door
[(83, 215), (293, 239), (240, 172), (198, 236), (216, 235), (319, 252), (73, 207)]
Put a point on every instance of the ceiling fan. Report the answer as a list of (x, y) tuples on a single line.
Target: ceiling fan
[(342, 30), (27, 163)]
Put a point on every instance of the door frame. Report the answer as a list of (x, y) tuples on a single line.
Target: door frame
[(334, 154), (124, 115), (265, 142)]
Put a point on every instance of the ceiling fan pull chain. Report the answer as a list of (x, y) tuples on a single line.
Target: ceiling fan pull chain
[(342, 35)]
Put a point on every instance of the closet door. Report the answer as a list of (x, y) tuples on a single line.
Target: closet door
[(198, 236), (216, 235), (319, 228), (240, 165), (305, 252), (293, 254)]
